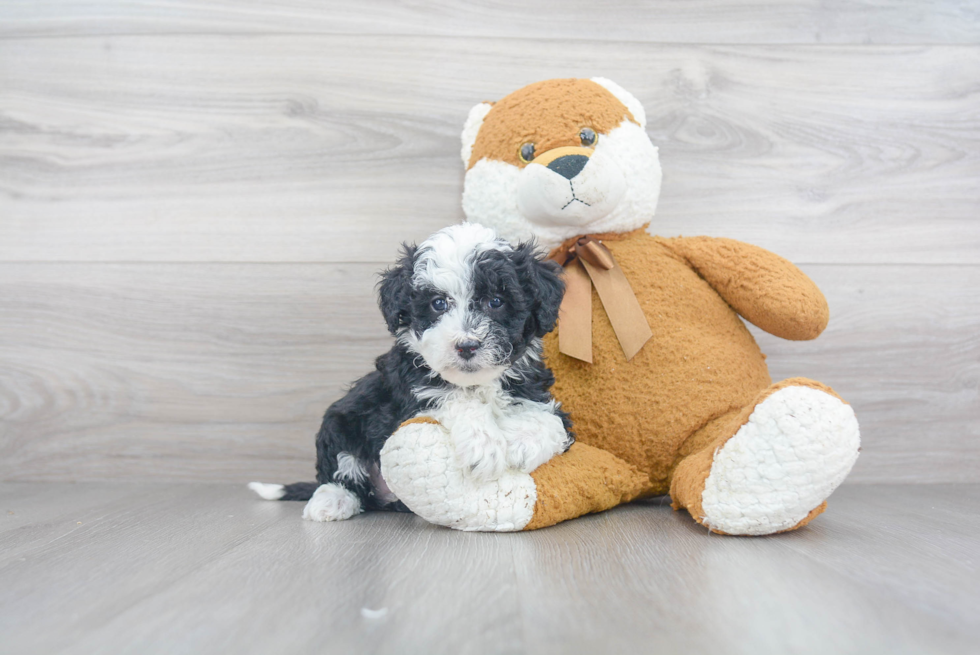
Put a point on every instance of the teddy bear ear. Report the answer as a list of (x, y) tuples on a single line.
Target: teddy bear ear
[(472, 127), (624, 97)]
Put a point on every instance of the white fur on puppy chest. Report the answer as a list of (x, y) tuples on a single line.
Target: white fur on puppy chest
[(796, 448)]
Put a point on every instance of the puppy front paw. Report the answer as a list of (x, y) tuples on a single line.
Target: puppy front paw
[(481, 452), (331, 502), (525, 453), (533, 439)]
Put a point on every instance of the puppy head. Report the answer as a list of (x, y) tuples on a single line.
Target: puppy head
[(560, 158), (470, 304)]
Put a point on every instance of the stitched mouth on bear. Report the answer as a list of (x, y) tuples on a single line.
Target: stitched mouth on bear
[(570, 188)]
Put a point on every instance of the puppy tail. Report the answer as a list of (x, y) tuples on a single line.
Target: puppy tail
[(295, 491)]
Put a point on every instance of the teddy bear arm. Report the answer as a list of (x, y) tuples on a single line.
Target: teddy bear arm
[(767, 290)]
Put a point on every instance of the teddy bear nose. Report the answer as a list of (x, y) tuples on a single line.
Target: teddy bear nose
[(569, 166)]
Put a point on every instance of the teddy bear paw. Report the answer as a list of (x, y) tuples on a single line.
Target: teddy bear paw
[(796, 448), (419, 465)]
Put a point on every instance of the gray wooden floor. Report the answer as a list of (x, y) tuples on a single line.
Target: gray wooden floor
[(173, 568)]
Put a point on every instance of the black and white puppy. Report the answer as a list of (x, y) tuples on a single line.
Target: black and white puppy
[(468, 311)]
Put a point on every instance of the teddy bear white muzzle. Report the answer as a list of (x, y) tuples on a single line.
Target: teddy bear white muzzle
[(570, 190)]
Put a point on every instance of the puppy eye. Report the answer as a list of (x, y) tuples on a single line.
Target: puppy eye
[(527, 152), (439, 304), (495, 303), (588, 136)]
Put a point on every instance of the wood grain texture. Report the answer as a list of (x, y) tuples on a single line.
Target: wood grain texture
[(222, 371), (657, 582), (903, 347), (194, 197), (938, 524), (177, 371), (137, 544), (209, 568), (335, 148), (694, 21)]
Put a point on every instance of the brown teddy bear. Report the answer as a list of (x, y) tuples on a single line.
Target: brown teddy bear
[(667, 389)]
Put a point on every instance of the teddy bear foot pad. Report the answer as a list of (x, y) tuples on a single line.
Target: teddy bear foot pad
[(418, 465), (796, 448)]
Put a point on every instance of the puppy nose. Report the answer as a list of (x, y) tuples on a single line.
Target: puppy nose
[(467, 349), (569, 166)]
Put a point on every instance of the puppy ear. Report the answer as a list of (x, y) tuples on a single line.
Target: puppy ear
[(395, 290), (543, 286)]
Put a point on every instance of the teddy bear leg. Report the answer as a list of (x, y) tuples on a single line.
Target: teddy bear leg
[(583, 480), (770, 466), (419, 467)]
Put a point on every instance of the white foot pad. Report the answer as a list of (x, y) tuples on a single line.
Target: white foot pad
[(419, 466), (331, 502), (797, 446)]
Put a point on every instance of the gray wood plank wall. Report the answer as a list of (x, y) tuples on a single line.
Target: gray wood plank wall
[(195, 198)]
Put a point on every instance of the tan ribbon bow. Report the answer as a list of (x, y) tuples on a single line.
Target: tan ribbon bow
[(587, 262)]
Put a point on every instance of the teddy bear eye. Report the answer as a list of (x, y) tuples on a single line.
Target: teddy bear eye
[(527, 152), (588, 136)]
